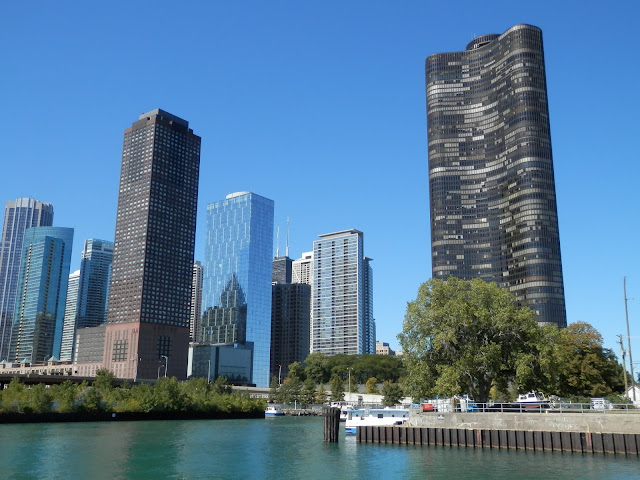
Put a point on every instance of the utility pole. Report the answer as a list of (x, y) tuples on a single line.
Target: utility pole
[(626, 314), (624, 365)]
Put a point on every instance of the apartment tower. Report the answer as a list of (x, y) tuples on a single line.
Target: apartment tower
[(19, 215), (491, 181), (342, 295)]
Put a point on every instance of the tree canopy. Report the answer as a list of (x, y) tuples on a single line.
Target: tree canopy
[(462, 337), (320, 367), (465, 337)]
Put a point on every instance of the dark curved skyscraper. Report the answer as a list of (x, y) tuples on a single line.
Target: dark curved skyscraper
[(492, 190)]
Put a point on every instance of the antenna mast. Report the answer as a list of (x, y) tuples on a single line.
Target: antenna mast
[(626, 315), (287, 248)]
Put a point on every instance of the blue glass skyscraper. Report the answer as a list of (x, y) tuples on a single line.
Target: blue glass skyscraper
[(236, 290), (92, 292), (19, 215), (42, 290)]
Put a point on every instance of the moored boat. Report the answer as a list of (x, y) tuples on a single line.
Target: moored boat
[(382, 417), (273, 411)]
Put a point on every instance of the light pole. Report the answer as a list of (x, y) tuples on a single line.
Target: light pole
[(279, 375), (166, 364), (209, 372), (349, 369)]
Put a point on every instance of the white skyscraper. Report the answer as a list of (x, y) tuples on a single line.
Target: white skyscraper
[(302, 269), (342, 302), (70, 312)]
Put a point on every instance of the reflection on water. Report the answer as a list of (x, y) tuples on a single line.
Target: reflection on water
[(276, 448)]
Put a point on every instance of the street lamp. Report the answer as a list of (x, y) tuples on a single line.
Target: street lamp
[(166, 364), (209, 372), (279, 375)]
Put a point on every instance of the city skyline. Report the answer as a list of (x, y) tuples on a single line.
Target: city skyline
[(310, 124)]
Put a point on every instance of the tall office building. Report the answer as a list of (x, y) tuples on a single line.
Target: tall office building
[(281, 269), (196, 302), (290, 322), (491, 182), (42, 291), (152, 270), (69, 322), (19, 215), (341, 299), (302, 269), (90, 308), (236, 290)]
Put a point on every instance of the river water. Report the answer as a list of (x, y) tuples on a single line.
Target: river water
[(276, 448)]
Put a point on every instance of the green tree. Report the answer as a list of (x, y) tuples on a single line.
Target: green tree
[(392, 394), (308, 393), (65, 394), (336, 385), (316, 367), (169, 396), (105, 381), (584, 367), (463, 337), (371, 385), (296, 371), (14, 396), (274, 387), (321, 395), (39, 399), (290, 391), (92, 400)]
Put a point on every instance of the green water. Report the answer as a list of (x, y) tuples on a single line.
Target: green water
[(276, 448)]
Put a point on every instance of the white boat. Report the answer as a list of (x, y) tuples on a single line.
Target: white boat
[(382, 417), (531, 397), (273, 411), (344, 409)]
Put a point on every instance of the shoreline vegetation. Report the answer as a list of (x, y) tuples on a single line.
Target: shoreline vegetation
[(167, 399)]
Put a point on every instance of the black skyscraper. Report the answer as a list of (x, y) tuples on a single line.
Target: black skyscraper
[(492, 191), (152, 272)]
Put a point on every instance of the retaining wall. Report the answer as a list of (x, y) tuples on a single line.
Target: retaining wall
[(582, 442), (546, 421)]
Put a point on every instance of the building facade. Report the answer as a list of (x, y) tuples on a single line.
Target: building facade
[(491, 180), (152, 271), (302, 269), (88, 306), (281, 270), (196, 303), (236, 290), (342, 298), (290, 325), (41, 294), (19, 215), (69, 322)]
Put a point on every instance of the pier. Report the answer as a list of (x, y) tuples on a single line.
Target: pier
[(594, 432)]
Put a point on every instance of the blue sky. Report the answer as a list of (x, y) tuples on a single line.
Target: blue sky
[(320, 106)]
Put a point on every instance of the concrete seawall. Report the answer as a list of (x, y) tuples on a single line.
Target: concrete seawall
[(546, 421)]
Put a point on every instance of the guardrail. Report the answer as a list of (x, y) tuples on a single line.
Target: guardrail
[(552, 407)]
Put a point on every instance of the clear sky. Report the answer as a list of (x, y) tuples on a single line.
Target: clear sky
[(320, 106)]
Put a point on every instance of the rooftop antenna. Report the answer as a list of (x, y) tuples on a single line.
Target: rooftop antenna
[(278, 242), (287, 248)]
